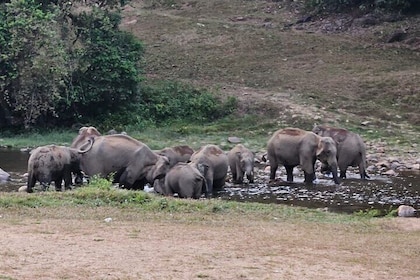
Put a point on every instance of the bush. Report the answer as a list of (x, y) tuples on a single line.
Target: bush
[(172, 101)]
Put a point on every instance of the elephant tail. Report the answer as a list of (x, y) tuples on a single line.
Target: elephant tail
[(363, 166)]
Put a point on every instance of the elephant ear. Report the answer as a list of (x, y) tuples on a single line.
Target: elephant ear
[(320, 148), (202, 168)]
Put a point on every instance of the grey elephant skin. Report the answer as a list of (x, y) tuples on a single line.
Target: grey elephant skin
[(85, 133), (52, 163), (351, 150), (175, 154), (213, 163), (144, 167), (185, 180), (130, 161), (241, 163), (293, 146), (4, 176)]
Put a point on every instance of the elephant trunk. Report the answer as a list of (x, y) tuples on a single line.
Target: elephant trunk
[(249, 171), (333, 168)]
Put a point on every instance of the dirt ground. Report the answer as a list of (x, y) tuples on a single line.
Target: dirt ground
[(203, 247)]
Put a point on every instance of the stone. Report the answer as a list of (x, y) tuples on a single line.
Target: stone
[(406, 211), (390, 173), (234, 140)]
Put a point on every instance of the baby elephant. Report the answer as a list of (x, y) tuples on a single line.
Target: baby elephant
[(185, 180), (52, 163), (241, 162)]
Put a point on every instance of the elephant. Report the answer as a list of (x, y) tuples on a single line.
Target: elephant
[(144, 167), (181, 153), (113, 154), (293, 146), (241, 162), (85, 133), (212, 162), (351, 150), (53, 163), (185, 180), (4, 176)]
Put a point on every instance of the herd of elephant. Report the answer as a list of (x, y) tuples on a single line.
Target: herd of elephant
[(191, 174)]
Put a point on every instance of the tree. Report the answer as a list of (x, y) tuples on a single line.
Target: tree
[(32, 62)]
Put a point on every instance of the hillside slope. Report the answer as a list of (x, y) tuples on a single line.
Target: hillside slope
[(337, 70)]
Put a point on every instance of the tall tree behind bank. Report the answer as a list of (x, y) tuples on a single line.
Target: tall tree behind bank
[(63, 61)]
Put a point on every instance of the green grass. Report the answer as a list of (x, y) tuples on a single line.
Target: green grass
[(100, 193)]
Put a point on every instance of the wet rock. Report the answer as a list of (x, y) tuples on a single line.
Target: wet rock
[(383, 164), (393, 159), (415, 166), (390, 173), (395, 165), (406, 211)]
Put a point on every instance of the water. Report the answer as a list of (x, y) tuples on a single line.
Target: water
[(353, 194), (15, 163)]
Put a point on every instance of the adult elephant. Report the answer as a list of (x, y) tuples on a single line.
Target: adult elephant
[(351, 150), (113, 154), (145, 166), (213, 163), (293, 146), (85, 133), (241, 163), (53, 163), (175, 154), (185, 180)]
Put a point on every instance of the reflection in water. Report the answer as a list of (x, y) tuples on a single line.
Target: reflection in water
[(351, 195), (15, 163)]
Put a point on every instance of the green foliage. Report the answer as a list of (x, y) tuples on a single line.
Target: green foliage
[(107, 76), (166, 102), (32, 64), (405, 6)]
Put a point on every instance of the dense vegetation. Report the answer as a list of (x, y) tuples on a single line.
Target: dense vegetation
[(68, 62)]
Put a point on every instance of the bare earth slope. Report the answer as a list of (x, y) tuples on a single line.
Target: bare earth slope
[(337, 68)]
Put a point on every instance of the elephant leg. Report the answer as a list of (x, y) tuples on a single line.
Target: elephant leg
[(239, 175), (362, 172), (289, 172), (78, 177), (67, 179), (31, 183), (209, 191), (218, 184), (250, 178), (309, 178), (273, 170), (343, 173), (58, 184)]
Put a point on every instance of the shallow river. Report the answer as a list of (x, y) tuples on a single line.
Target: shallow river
[(351, 195)]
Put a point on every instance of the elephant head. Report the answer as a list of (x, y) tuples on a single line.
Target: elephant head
[(145, 166), (327, 154)]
